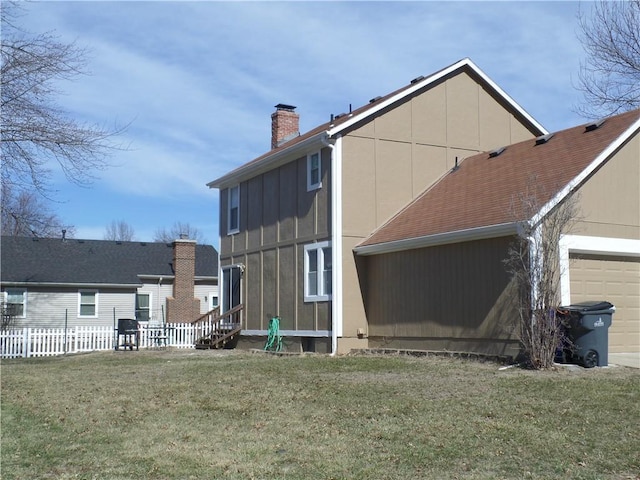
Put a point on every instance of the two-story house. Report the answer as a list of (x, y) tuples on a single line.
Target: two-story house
[(291, 218)]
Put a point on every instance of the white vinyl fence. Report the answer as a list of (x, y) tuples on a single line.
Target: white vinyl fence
[(41, 342)]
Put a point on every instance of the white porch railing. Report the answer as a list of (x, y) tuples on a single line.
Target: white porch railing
[(42, 342)]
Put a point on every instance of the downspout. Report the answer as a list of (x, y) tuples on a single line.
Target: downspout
[(336, 238), (158, 296), (536, 263)]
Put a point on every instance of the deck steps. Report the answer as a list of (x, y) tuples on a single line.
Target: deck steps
[(215, 330)]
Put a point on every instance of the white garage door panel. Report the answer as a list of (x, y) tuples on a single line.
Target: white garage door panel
[(616, 281)]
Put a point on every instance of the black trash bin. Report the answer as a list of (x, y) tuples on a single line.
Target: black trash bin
[(587, 329)]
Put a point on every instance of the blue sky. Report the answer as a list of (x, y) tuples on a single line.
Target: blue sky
[(198, 82)]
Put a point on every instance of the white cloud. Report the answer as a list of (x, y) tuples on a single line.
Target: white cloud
[(199, 79)]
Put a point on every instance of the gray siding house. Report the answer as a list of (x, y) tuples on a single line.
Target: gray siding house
[(46, 282)]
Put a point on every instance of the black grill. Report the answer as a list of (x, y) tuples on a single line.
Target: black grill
[(128, 333)]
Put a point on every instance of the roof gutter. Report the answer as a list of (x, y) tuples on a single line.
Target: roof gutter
[(172, 277), (479, 233), (267, 163), (72, 285)]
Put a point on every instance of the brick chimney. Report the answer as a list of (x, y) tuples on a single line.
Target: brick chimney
[(285, 124), (183, 306)]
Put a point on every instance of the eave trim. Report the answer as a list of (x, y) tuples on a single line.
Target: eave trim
[(466, 62), (479, 233), (72, 285), (252, 169)]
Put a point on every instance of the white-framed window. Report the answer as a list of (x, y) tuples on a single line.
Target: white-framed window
[(143, 307), (88, 303), (314, 171), (317, 272), (16, 302), (212, 300), (233, 210)]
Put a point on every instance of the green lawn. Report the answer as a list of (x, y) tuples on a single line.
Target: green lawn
[(185, 414)]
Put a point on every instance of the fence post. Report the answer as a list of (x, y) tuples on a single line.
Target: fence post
[(26, 343), (66, 318)]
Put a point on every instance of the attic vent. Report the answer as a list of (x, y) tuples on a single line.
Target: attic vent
[(544, 138), (417, 79), (339, 115), (496, 152), (595, 125), (375, 99)]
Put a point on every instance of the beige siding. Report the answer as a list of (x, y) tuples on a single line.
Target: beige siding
[(393, 158), (393, 178), (202, 292), (616, 281), (48, 308), (453, 297), (610, 199)]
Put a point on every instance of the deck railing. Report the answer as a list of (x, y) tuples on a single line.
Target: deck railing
[(213, 325)]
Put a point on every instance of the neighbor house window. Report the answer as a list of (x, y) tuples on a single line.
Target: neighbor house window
[(314, 178), (143, 307), (16, 300), (88, 303), (317, 272), (233, 214)]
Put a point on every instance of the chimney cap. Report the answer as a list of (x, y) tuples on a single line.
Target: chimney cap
[(284, 106)]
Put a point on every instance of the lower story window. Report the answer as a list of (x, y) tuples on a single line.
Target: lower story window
[(16, 302), (88, 303), (143, 307), (317, 272)]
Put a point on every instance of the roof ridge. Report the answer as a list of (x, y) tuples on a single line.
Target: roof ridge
[(361, 113)]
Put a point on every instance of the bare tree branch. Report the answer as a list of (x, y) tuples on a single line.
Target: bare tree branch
[(533, 262), (119, 230), (37, 134), (178, 230), (610, 76), (25, 214)]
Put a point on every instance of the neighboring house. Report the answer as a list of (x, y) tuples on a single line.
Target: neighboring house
[(433, 276), (48, 281), (290, 219)]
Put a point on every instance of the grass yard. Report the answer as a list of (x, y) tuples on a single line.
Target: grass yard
[(205, 414)]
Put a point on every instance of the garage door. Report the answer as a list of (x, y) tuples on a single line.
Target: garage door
[(616, 280)]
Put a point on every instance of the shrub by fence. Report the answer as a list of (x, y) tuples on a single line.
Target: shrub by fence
[(42, 342)]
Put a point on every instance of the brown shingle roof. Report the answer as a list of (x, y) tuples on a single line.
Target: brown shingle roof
[(484, 190)]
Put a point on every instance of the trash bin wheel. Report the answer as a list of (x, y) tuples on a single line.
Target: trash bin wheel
[(590, 359)]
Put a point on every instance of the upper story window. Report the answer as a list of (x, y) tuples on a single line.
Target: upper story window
[(314, 167), (317, 272), (233, 210), (16, 301), (88, 303)]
